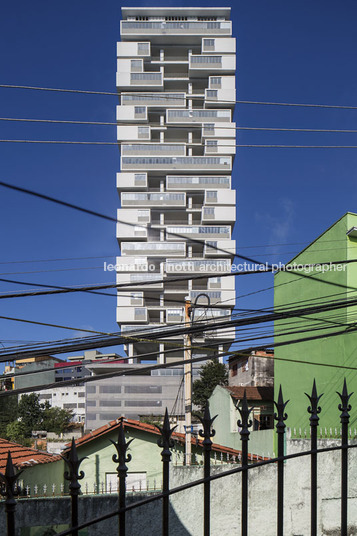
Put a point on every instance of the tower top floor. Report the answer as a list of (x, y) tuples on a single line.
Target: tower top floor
[(169, 13)]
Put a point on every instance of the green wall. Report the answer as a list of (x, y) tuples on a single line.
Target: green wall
[(292, 290)]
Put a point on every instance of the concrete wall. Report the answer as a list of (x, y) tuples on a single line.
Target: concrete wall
[(186, 511)]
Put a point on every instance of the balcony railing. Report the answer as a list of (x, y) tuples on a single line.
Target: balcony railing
[(153, 199), (152, 149), (198, 116), (154, 249), (152, 99), (144, 79), (207, 163), (196, 28), (198, 231), (197, 183)]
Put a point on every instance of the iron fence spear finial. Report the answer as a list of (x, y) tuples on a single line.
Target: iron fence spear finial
[(166, 443), (314, 409), (7, 489), (122, 458)]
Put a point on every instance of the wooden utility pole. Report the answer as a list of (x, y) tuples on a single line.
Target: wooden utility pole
[(188, 384)]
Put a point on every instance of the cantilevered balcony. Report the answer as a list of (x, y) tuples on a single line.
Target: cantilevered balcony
[(216, 248), (225, 298), (198, 231), (216, 197), (129, 50), (218, 214), (175, 266), (154, 249), (174, 182), (154, 100), (130, 181), (201, 63), (159, 149), (184, 163), (127, 80), (151, 280), (157, 199), (138, 29), (132, 314), (220, 130), (187, 116)]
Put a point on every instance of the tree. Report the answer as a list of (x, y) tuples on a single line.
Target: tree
[(56, 420), (212, 374), (15, 431), (30, 413), (8, 412)]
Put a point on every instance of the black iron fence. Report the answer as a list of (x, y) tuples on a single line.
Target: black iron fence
[(9, 487)]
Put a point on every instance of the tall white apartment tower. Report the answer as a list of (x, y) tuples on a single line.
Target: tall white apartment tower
[(176, 82)]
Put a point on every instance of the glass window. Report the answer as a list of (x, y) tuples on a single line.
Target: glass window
[(136, 65), (143, 389), (91, 388)]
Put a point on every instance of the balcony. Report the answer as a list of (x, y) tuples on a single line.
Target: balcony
[(154, 249), (133, 299), (144, 149), (194, 163), (218, 214), (175, 316), (131, 314), (132, 113), (154, 100), (127, 79), (226, 298), (215, 197), (137, 29), (129, 181), (129, 50), (197, 116), (218, 97), (160, 199), (221, 45), (196, 183), (152, 280), (214, 248), (133, 133), (173, 266), (198, 231), (225, 146), (214, 63), (125, 265), (223, 130)]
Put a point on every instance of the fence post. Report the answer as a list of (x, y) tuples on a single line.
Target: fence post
[(7, 489), (280, 417), (121, 458), (244, 423), (314, 409), (345, 408), (206, 433), (74, 487), (165, 442)]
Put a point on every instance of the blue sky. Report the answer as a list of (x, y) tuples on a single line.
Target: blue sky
[(301, 52)]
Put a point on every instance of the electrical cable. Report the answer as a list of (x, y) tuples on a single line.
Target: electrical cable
[(194, 360), (116, 94), (216, 127)]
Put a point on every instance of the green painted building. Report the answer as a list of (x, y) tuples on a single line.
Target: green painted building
[(335, 343)]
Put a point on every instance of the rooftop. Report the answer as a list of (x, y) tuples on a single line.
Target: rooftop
[(23, 456), (252, 393), (131, 424), (186, 11)]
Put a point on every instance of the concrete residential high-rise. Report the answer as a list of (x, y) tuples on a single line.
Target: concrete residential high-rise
[(176, 82)]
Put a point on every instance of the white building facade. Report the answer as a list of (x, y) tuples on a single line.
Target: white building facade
[(176, 83)]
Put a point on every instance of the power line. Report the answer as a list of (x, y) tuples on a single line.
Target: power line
[(251, 145), (216, 127), (188, 96), (169, 333), (194, 360)]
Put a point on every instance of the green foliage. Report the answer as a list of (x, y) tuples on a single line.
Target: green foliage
[(212, 374), (8, 412), (56, 420), (15, 432), (30, 413)]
